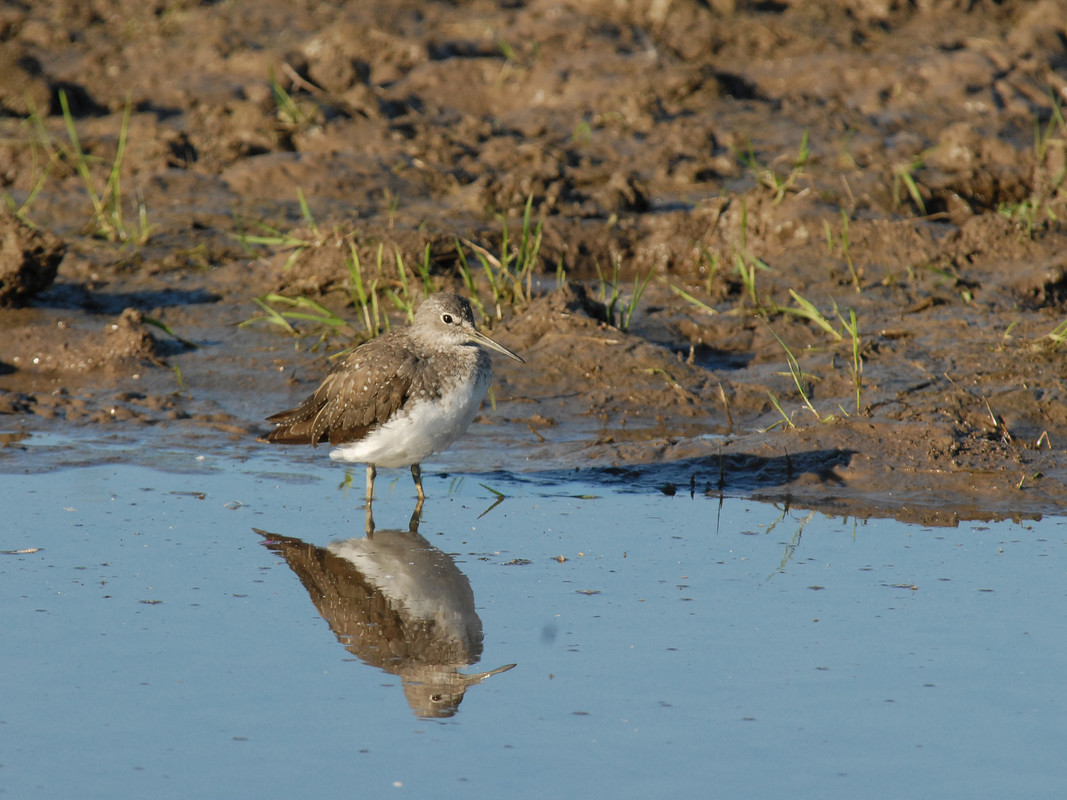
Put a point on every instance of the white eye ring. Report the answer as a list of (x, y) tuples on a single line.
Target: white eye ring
[(447, 319)]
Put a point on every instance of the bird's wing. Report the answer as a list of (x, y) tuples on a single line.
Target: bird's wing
[(361, 392)]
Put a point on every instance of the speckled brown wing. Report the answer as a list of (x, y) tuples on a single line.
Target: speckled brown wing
[(361, 392)]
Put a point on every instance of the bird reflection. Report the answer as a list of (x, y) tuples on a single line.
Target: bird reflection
[(399, 604)]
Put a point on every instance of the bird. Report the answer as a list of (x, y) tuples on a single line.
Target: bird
[(398, 398)]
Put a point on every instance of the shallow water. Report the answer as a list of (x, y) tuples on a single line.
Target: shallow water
[(161, 641)]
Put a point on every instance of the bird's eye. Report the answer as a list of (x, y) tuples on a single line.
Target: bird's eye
[(446, 318)]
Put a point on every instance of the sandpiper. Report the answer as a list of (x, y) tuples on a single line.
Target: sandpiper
[(398, 398)]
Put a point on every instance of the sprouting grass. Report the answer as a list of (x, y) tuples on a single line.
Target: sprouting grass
[(1025, 213), (856, 367), (709, 267), (699, 304), (469, 281), (107, 220), (167, 330), (1048, 177), (300, 308), (1058, 335), (904, 175), (807, 310), (403, 296), (849, 329), (843, 242), (799, 379), (291, 113), (561, 273), (178, 377), (582, 134), (618, 314), (270, 236), (746, 265), (44, 157), (509, 276), (778, 406), (746, 271), (392, 205), (366, 297), (769, 177)]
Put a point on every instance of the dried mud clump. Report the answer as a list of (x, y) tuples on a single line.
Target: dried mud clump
[(29, 260), (123, 346), (127, 339)]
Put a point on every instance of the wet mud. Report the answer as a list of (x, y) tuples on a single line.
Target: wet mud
[(842, 222)]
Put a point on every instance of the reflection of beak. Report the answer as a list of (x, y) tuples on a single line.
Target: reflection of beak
[(478, 677), (480, 338)]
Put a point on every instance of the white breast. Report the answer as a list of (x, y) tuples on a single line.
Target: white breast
[(419, 429)]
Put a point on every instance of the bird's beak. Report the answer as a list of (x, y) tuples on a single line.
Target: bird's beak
[(480, 338), (472, 679)]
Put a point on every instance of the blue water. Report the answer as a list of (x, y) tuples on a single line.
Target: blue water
[(157, 645)]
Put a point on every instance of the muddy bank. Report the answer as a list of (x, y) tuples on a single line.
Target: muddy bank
[(843, 224)]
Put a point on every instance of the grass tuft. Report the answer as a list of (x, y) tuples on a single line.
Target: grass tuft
[(510, 275)]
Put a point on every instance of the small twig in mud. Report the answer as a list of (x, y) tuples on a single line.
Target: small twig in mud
[(670, 378), (998, 425), (1033, 477), (726, 405)]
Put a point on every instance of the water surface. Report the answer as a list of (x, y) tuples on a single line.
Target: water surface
[(163, 639)]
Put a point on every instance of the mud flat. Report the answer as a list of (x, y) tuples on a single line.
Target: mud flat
[(842, 223)]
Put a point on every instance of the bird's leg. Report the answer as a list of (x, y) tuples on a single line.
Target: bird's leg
[(368, 524), (416, 518), (371, 472), (416, 473)]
